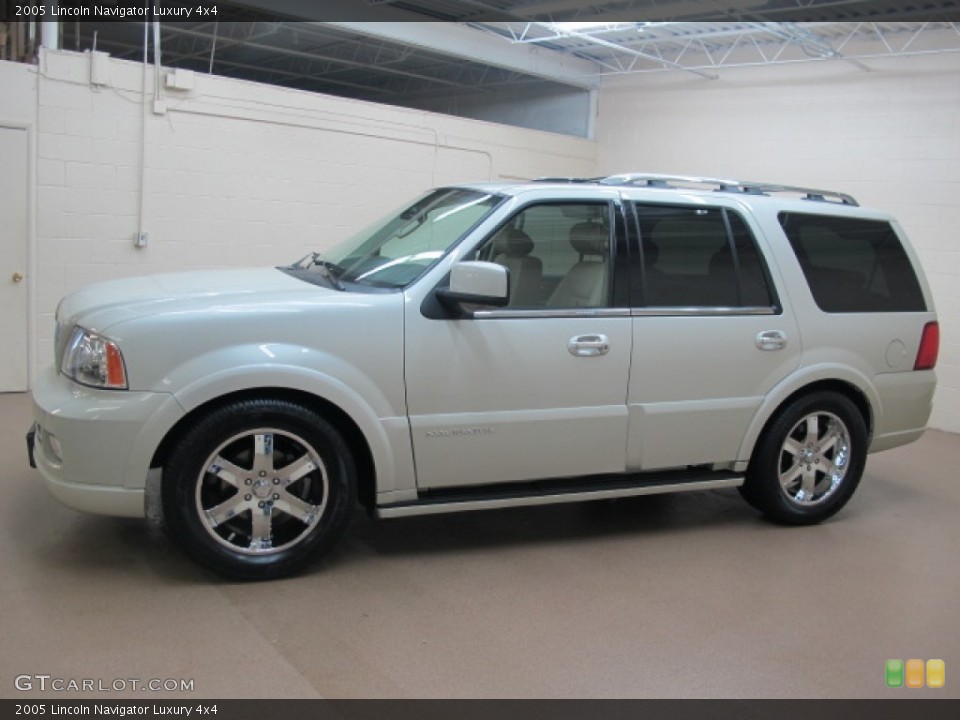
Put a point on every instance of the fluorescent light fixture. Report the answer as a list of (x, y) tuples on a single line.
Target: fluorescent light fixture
[(588, 27), (582, 25)]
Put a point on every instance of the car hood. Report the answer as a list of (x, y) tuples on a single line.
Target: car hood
[(99, 306)]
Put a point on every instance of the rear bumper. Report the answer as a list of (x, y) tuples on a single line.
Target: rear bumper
[(906, 401)]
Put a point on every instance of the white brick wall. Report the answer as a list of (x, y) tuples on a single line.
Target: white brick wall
[(237, 173), (890, 137)]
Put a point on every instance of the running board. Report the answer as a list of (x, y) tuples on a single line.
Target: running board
[(558, 491)]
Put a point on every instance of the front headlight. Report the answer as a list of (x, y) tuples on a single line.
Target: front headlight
[(93, 360)]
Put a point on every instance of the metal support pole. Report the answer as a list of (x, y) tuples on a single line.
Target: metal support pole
[(213, 47)]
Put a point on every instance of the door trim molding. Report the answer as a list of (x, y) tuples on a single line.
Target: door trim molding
[(552, 313)]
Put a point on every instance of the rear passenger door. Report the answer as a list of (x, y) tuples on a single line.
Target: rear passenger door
[(710, 336)]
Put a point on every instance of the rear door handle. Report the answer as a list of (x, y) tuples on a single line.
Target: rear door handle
[(589, 345), (771, 340)]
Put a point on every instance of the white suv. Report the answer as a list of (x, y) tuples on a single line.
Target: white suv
[(497, 345)]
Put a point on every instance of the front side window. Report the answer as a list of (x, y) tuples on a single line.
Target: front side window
[(852, 264), (398, 250), (558, 255), (700, 257)]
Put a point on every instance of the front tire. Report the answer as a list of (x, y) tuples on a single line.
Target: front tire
[(809, 461), (258, 488)]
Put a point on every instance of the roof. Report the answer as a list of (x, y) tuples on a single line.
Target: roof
[(681, 183)]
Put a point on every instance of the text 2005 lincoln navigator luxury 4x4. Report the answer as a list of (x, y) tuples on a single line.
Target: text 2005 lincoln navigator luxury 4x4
[(495, 345)]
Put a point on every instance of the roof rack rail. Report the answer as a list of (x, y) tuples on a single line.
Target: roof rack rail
[(724, 185), (579, 181)]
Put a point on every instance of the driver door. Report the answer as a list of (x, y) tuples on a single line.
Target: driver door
[(536, 389)]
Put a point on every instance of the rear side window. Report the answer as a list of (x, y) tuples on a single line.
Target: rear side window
[(700, 257), (853, 265)]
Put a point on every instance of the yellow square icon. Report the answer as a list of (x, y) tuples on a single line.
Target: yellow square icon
[(936, 673), (914, 674)]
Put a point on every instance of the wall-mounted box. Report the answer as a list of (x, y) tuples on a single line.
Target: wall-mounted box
[(179, 79), (99, 68)]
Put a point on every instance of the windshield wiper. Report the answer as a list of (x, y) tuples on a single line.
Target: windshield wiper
[(330, 270)]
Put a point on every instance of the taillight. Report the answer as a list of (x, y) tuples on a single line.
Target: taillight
[(929, 346)]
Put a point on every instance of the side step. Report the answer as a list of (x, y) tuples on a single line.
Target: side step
[(547, 492)]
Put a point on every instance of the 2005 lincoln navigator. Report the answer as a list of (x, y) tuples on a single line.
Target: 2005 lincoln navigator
[(494, 345)]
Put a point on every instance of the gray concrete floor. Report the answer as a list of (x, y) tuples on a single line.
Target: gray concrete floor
[(673, 596)]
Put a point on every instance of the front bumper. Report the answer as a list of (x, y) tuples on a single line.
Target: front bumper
[(94, 447)]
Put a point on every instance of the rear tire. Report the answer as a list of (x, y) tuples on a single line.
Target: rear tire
[(257, 489), (809, 461)]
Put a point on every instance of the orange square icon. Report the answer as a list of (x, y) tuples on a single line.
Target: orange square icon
[(936, 673), (914, 674)]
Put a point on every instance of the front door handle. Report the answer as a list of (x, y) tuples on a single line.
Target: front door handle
[(589, 345), (771, 340)]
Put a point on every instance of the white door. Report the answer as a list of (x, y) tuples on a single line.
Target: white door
[(710, 337), (535, 390), (13, 259)]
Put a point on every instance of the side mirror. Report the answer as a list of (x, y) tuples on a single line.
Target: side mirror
[(476, 283)]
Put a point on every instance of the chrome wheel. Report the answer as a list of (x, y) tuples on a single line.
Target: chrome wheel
[(262, 491), (814, 459), (258, 487)]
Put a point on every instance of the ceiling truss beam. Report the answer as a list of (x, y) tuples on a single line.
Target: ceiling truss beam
[(465, 43)]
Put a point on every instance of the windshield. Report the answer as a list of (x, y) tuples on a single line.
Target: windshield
[(396, 251)]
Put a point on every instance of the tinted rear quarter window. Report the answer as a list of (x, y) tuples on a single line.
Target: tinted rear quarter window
[(853, 265)]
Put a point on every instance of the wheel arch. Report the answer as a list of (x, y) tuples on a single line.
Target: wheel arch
[(866, 403), (353, 435)]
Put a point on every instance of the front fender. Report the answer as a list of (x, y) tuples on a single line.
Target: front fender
[(206, 377)]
